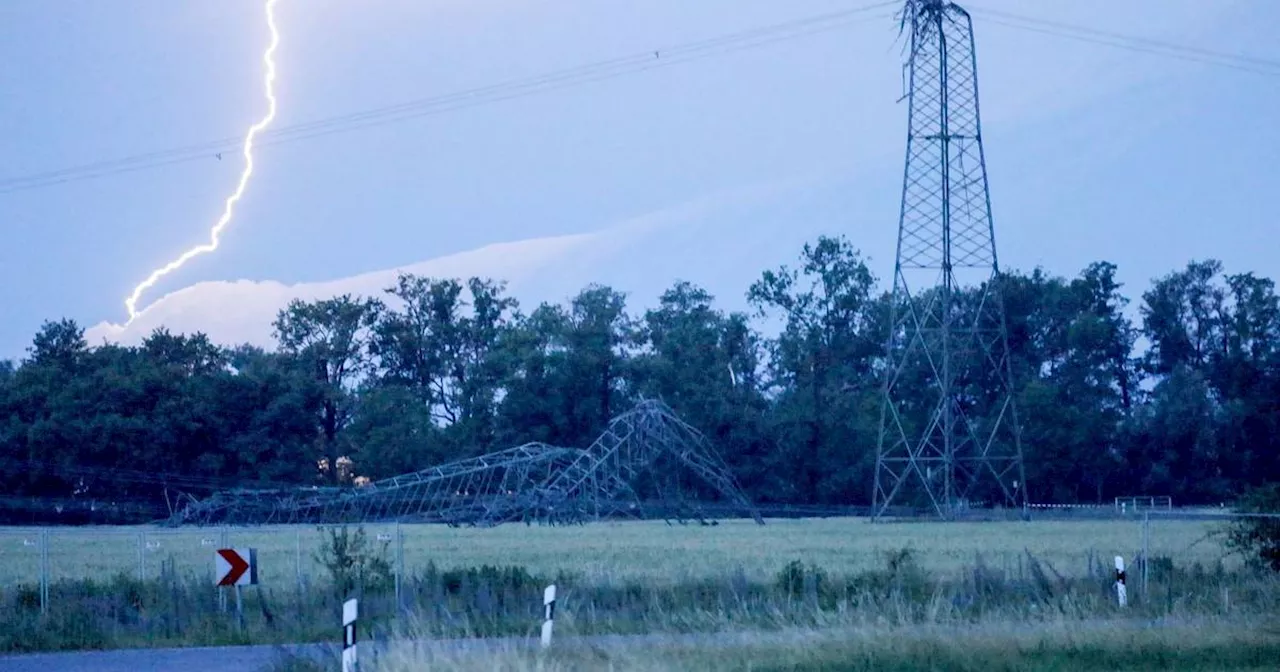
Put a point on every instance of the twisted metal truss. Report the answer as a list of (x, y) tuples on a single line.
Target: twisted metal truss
[(644, 461), (949, 429)]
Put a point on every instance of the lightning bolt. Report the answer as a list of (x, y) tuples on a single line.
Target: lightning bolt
[(267, 58)]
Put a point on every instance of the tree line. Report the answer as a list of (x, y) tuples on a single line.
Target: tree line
[(1182, 403)]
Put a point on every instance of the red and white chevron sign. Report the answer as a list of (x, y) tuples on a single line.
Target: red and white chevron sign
[(236, 567)]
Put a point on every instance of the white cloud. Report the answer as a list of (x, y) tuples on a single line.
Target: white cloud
[(535, 270), (242, 311)]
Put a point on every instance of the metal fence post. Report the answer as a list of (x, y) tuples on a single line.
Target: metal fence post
[(223, 542), (399, 565), (1146, 544), (44, 571), (297, 558)]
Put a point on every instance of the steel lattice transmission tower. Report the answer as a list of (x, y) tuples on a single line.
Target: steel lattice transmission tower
[(949, 428)]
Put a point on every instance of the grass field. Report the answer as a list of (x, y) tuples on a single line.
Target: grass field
[(653, 552), (991, 580)]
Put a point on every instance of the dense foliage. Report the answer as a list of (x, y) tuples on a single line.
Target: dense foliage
[(1257, 536), (1182, 404)]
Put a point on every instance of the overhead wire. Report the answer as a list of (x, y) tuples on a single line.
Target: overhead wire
[(576, 76), (617, 67), (127, 475), (1242, 62)]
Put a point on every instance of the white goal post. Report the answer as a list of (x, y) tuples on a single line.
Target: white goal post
[(1144, 503)]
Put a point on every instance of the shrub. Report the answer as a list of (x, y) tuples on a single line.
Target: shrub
[(1258, 539), (515, 578), (795, 579), (353, 564)]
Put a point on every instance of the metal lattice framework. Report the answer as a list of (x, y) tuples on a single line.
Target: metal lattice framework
[(645, 459), (949, 429)]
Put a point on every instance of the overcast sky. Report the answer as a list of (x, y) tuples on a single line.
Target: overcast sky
[(709, 171)]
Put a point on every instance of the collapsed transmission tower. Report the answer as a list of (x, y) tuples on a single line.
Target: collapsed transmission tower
[(642, 465), (949, 434)]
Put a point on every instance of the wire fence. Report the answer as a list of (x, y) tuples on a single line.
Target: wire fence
[(289, 557), (286, 556)]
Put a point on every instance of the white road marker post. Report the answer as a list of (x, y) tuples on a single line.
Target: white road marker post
[(549, 608), (1121, 596), (349, 609)]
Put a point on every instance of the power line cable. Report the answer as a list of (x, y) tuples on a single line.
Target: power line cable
[(610, 69), (71, 472), (1267, 62), (1243, 62), (585, 74)]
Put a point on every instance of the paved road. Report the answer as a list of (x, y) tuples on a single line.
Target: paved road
[(199, 659), (208, 659), (250, 658)]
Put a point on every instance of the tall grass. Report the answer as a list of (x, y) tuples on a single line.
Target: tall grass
[(491, 601), (1063, 646)]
